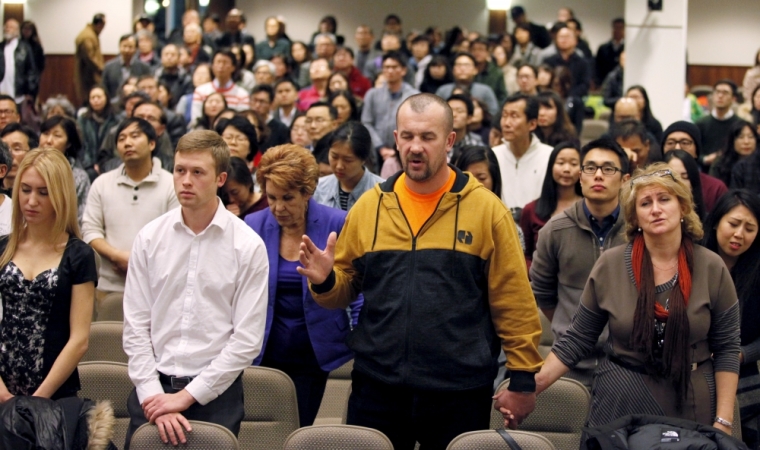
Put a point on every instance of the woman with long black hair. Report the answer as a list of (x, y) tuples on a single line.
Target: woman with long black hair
[(731, 232), (561, 189)]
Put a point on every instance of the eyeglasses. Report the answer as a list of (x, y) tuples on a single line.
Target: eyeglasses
[(659, 173), (7, 112), (606, 170), (235, 138), (683, 143)]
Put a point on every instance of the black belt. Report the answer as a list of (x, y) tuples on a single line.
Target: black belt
[(642, 369), (176, 383)]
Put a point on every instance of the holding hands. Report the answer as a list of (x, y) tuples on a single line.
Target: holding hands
[(514, 406)]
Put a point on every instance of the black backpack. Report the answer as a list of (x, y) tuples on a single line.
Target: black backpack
[(646, 432)]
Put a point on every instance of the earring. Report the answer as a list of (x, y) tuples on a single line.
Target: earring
[(639, 229), (681, 219)]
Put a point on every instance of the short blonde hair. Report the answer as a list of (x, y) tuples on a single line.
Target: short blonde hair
[(289, 167), (644, 178), (55, 169), (206, 141)]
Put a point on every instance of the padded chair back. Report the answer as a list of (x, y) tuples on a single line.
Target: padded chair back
[(108, 381), (112, 308), (205, 436), (736, 430), (593, 129), (490, 440), (106, 342), (547, 338), (271, 409), (560, 413), (334, 407), (331, 437)]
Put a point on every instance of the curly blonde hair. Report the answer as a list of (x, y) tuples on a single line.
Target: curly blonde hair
[(644, 178)]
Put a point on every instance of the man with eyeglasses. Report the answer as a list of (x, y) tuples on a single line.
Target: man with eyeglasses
[(8, 111), (571, 242), (686, 136), (262, 97), (320, 120), (20, 140), (381, 104), (716, 127)]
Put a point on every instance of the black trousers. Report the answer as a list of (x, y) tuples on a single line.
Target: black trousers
[(226, 410), (407, 415), (310, 382)]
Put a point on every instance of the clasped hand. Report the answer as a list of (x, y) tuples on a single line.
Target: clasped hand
[(164, 411), (514, 406)]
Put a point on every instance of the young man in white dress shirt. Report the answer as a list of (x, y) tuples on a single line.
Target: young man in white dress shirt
[(194, 303)]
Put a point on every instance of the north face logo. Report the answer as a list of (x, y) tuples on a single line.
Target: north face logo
[(464, 236)]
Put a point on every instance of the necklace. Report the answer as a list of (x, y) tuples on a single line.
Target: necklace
[(666, 268)]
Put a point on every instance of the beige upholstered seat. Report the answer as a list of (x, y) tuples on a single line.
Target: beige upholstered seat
[(560, 413), (271, 410), (112, 308), (593, 129), (106, 343), (736, 430), (334, 407), (205, 436), (547, 338), (337, 437), (490, 440), (108, 381)]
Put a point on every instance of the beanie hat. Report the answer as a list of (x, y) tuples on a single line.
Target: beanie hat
[(685, 127)]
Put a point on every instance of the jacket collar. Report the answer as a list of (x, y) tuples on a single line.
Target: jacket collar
[(459, 183)]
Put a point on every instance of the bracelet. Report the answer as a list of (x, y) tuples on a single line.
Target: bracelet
[(723, 422)]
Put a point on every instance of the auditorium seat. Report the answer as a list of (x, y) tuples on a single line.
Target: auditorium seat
[(271, 409), (560, 413), (112, 308), (106, 342), (334, 407), (108, 381), (547, 338), (490, 440), (331, 437), (204, 436), (593, 129)]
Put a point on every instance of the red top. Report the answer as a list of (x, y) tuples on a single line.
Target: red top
[(306, 97), (530, 224), (358, 83), (712, 190)]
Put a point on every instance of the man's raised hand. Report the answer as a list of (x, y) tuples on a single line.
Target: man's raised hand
[(317, 264)]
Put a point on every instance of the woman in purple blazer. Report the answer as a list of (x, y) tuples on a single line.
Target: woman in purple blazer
[(302, 339)]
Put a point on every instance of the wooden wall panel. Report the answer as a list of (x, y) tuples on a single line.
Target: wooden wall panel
[(13, 11), (58, 77), (708, 75)]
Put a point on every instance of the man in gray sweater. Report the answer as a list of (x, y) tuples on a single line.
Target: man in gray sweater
[(571, 242), (381, 104)]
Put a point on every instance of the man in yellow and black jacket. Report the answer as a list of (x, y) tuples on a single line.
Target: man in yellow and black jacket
[(439, 262)]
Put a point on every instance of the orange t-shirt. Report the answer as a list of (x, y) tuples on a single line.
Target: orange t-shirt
[(419, 207)]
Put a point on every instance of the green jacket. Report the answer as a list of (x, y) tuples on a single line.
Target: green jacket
[(494, 77)]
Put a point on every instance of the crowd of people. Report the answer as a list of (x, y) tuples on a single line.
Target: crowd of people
[(411, 204)]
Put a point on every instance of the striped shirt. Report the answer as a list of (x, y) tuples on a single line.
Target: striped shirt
[(237, 98)]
